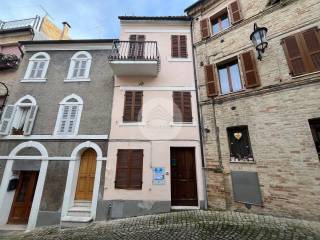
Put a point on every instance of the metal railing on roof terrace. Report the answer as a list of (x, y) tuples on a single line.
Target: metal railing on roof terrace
[(29, 22), (135, 51)]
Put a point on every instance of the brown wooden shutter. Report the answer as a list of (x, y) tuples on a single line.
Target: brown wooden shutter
[(205, 29), (293, 52), (183, 46), (311, 43), (211, 81), (128, 101), (182, 108), (129, 169), (122, 170), (136, 169), (132, 106), (235, 12), (175, 46), (179, 46), (250, 71), (177, 107), (187, 107), (137, 107)]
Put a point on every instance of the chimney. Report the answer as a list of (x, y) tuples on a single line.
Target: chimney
[(65, 31)]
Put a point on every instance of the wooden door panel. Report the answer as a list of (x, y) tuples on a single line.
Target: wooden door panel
[(86, 175), (23, 198), (183, 177)]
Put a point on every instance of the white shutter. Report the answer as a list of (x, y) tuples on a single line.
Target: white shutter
[(64, 119), (83, 68), (75, 69), (33, 69), (30, 119), (7, 118), (73, 119), (40, 69)]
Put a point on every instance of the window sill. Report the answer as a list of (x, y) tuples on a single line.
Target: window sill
[(179, 60), (34, 80), (183, 124), (247, 161), (129, 124), (317, 73), (77, 80)]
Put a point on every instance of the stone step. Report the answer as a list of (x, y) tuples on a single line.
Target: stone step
[(74, 221), (79, 213), (82, 203)]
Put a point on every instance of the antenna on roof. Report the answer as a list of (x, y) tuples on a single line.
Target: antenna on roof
[(46, 12)]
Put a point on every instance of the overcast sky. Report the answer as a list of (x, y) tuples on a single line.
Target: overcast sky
[(90, 18)]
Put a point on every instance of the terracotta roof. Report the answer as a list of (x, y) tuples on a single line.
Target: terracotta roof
[(156, 18)]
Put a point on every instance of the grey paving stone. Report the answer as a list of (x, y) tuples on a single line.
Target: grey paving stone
[(186, 225)]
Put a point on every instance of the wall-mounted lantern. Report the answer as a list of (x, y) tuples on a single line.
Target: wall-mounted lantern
[(259, 39)]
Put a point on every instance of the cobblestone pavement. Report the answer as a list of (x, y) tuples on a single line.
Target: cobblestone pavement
[(187, 225)]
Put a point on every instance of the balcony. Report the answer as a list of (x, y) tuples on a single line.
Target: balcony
[(135, 58), (8, 61), (30, 22)]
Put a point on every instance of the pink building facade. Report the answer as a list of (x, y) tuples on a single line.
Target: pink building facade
[(154, 156)]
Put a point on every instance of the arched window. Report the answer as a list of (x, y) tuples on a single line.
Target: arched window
[(79, 67), (37, 68), (68, 120), (18, 119)]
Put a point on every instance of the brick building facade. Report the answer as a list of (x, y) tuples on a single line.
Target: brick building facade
[(260, 119)]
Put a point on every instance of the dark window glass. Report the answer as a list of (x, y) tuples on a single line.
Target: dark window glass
[(239, 143), (315, 130)]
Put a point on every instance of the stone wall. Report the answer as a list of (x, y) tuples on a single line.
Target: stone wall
[(276, 113)]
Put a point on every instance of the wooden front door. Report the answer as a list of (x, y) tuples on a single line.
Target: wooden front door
[(87, 172), (183, 177), (22, 201)]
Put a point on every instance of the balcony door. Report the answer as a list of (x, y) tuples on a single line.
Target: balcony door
[(136, 47)]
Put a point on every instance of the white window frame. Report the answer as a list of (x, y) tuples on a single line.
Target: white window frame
[(29, 116), (32, 61), (63, 103), (73, 61)]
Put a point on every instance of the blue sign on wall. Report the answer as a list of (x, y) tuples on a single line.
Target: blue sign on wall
[(159, 176)]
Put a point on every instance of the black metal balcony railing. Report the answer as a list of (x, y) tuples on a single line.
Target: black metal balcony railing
[(31, 22), (135, 51)]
